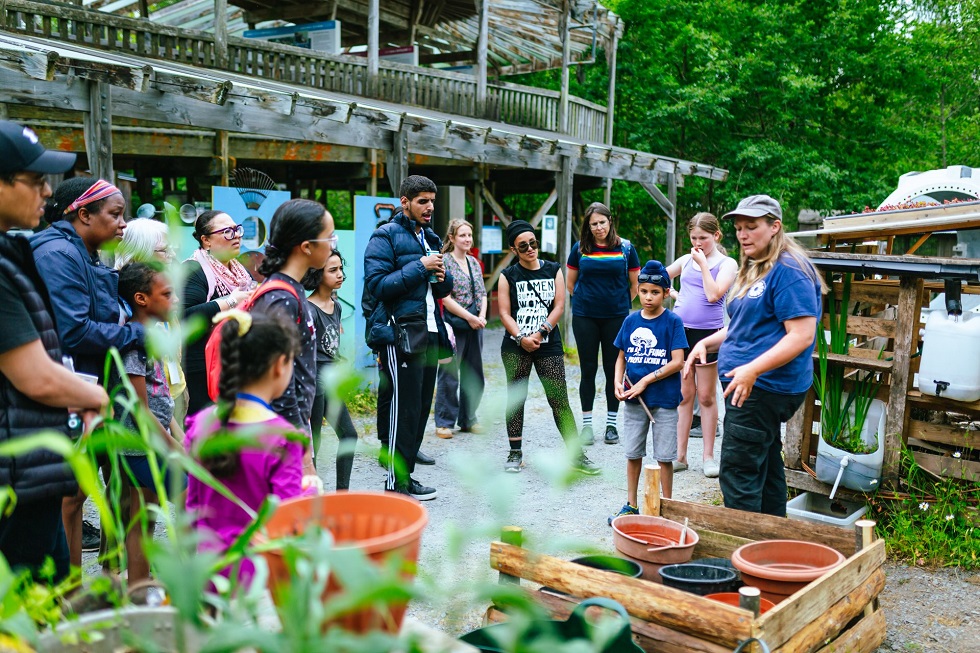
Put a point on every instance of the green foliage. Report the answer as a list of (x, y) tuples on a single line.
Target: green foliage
[(936, 524), (842, 413)]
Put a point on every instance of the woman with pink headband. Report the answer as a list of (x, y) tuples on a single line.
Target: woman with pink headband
[(85, 215)]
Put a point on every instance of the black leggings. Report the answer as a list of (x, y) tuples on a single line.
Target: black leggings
[(590, 334), (339, 418), (551, 371)]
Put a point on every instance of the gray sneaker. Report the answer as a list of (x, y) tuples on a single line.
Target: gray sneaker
[(588, 437), (585, 466), (515, 461)]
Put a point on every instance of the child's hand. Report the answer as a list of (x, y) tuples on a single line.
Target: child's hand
[(637, 389), (620, 394)]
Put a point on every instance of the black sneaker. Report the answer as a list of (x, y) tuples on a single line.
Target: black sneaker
[(423, 459), (515, 461), (90, 536), (421, 492), (585, 466), (612, 435), (588, 438)]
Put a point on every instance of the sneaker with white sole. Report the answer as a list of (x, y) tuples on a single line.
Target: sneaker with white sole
[(91, 538), (711, 468), (421, 492), (585, 466), (515, 461)]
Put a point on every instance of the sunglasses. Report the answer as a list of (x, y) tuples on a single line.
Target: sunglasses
[(530, 244), (652, 278), (230, 233), (333, 240)]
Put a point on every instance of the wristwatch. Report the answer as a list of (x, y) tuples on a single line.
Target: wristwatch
[(232, 302), (517, 339)]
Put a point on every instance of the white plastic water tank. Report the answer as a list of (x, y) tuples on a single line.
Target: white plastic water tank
[(950, 364)]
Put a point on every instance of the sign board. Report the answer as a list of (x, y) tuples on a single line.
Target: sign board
[(549, 234), (369, 213), (408, 54), (322, 37), (493, 240), (253, 209)]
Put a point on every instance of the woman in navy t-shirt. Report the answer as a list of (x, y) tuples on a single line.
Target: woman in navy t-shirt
[(765, 357), (602, 272)]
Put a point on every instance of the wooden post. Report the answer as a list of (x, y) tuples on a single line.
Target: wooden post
[(224, 156), (513, 535), (671, 251), (906, 326), (221, 33), (374, 18), (611, 100), (864, 536), (478, 209), (373, 181), (651, 489), (397, 161), (564, 184), (98, 131), (483, 10), (748, 599), (145, 9), (566, 55)]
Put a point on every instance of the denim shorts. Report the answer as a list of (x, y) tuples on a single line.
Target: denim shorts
[(140, 466), (636, 424)]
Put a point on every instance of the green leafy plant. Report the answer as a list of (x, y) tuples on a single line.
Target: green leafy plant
[(843, 413)]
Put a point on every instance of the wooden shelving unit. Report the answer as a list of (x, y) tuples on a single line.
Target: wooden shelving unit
[(886, 330)]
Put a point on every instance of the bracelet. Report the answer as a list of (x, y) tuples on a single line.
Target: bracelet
[(232, 302), (517, 339)]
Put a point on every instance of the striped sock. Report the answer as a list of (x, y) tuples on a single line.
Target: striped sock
[(611, 418), (587, 419)]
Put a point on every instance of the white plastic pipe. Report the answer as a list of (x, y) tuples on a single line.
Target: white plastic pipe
[(843, 464)]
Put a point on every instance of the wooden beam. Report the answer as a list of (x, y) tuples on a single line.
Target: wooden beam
[(98, 131), (483, 11), (224, 158), (914, 248), (507, 258), (566, 52), (36, 65), (373, 18), (611, 97), (221, 33), (498, 209), (459, 57), (397, 162), (205, 90), (907, 326), (671, 251), (565, 189), (665, 204)]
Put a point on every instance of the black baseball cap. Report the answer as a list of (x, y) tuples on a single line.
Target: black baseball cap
[(21, 150)]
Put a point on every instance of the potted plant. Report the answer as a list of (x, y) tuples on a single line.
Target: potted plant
[(851, 421)]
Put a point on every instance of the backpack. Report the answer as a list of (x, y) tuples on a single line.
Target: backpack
[(212, 349)]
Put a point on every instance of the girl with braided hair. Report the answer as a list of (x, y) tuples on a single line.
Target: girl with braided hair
[(257, 354)]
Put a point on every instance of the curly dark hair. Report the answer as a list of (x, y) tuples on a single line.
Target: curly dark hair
[(414, 185), (138, 277)]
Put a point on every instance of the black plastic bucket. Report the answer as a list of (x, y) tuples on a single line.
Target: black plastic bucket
[(611, 563), (698, 579), (725, 563)]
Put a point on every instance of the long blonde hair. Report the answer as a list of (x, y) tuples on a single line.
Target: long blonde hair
[(454, 226), (751, 270), (708, 223)]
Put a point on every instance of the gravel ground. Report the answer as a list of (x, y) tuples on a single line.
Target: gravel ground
[(926, 610)]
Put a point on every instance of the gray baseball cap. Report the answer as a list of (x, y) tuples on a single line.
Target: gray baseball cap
[(756, 206)]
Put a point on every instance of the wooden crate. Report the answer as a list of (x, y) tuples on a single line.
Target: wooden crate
[(835, 613)]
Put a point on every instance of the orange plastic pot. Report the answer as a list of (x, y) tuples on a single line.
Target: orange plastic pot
[(780, 568), (732, 598), (653, 539), (383, 525)]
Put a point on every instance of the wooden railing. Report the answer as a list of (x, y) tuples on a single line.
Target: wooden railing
[(429, 88)]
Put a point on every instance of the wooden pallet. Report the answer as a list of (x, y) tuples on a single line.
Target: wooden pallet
[(837, 612)]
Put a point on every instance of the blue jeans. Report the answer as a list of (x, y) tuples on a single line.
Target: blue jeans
[(752, 476)]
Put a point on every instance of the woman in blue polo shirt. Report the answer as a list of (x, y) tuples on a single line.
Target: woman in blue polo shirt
[(765, 356), (602, 272)]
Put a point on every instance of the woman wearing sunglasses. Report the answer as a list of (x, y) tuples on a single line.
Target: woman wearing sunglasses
[(214, 281), (531, 296)]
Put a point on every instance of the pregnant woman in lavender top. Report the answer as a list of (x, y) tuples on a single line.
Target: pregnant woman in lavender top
[(706, 275)]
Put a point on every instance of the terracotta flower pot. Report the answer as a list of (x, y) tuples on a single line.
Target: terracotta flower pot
[(732, 598), (780, 568), (383, 525), (636, 535)]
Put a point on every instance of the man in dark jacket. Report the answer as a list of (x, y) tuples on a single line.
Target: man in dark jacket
[(404, 271), (35, 389)]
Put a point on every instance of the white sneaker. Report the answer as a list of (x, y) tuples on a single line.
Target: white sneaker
[(711, 468)]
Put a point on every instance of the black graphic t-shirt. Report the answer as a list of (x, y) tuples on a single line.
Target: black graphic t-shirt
[(327, 333), (532, 296)]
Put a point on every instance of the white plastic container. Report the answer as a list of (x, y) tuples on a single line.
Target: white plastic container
[(950, 364), (819, 509), (861, 472)]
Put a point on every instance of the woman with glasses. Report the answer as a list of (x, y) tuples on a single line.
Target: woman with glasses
[(706, 275), (147, 240), (214, 281), (765, 355), (602, 271), (531, 295)]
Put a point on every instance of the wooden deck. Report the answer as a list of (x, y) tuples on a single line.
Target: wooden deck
[(428, 88)]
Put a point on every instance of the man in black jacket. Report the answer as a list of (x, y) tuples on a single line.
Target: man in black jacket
[(36, 390), (403, 270)]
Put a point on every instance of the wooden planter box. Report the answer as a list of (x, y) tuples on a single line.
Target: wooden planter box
[(837, 612)]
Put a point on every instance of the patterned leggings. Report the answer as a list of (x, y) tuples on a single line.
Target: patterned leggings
[(551, 371)]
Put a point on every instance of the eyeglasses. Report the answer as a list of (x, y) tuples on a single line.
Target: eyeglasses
[(38, 183), (652, 278), (531, 244), (230, 233), (332, 240), (165, 251)]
